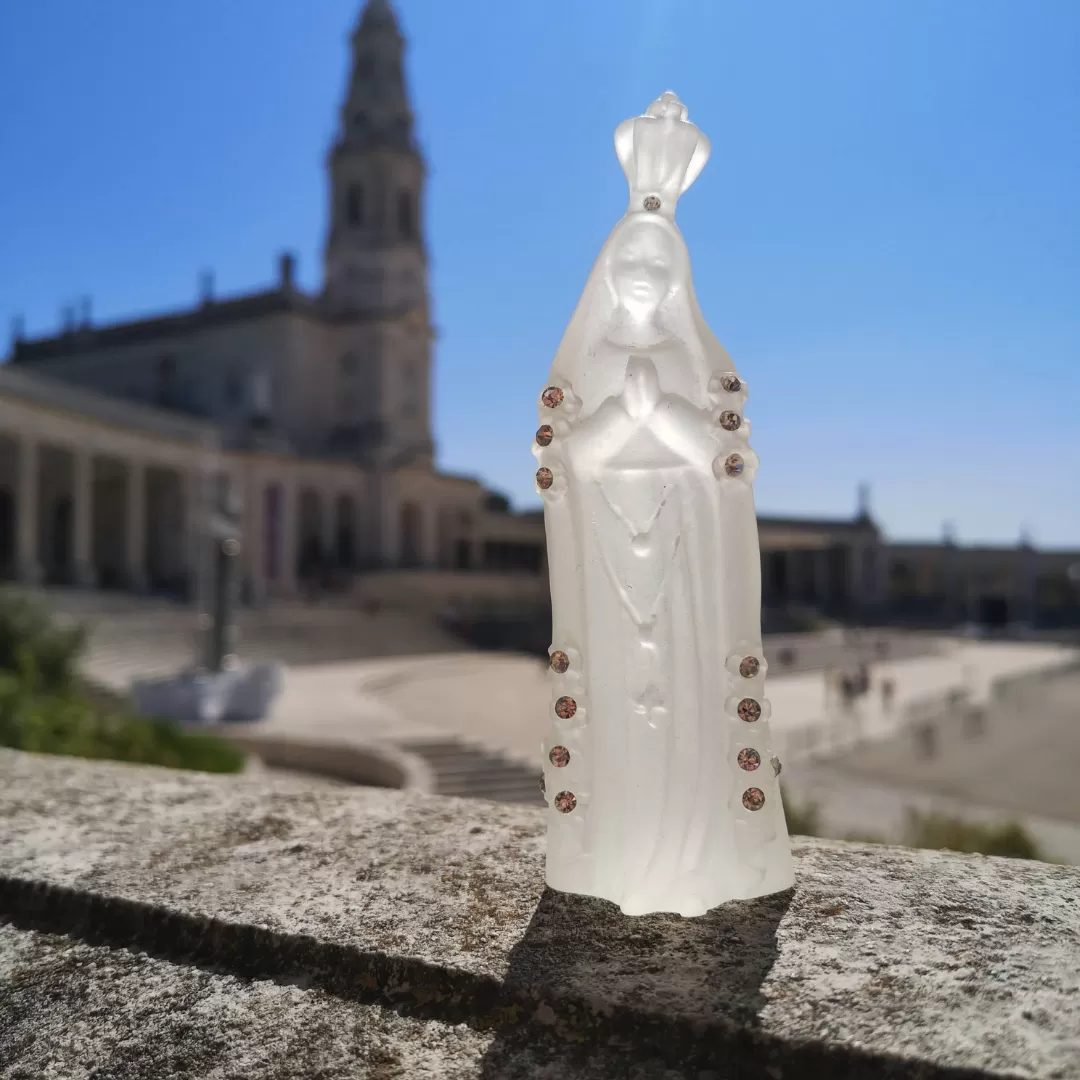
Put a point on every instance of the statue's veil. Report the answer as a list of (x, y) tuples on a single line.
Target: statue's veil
[(662, 155)]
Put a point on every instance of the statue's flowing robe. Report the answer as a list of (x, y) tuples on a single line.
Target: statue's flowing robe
[(655, 581)]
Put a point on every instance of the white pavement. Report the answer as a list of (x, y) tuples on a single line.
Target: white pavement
[(804, 714), (851, 806), (500, 701)]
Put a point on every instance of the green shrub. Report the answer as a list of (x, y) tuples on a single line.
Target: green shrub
[(937, 831), (69, 722), (934, 831), (45, 709), (803, 819), (31, 643), (865, 838)]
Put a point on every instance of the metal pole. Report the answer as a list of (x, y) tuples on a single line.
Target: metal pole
[(222, 544)]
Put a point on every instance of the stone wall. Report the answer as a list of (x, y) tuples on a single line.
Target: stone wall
[(163, 924)]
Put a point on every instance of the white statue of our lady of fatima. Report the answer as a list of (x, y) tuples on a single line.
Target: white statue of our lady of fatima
[(660, 783)]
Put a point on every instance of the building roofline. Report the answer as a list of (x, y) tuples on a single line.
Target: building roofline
[(914, 546), (221, 312), (173, 323), (36, 389), (858, 524)]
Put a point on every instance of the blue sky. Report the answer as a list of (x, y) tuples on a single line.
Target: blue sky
[(887, 237)]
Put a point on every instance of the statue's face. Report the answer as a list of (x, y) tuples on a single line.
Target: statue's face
[(642, 268)]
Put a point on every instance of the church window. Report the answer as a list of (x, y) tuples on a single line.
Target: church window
[(354, 205), (405, 217)]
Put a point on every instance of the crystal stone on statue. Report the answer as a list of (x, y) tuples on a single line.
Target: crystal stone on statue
[(658, 770)]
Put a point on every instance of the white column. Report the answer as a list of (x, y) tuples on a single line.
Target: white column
[(253, 542), (83, 515), (135, 526), (27, 550)]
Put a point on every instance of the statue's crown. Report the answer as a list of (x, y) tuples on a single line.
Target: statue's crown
[(661, 154)]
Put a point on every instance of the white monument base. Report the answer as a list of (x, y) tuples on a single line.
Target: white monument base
[(193, 697)]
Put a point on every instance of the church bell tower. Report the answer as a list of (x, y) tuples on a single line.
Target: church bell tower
[(375, 285), (375, 261)]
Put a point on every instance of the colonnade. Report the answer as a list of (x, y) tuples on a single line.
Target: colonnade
[(72, 514)]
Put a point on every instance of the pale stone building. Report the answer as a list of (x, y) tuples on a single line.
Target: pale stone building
[(315, 408)]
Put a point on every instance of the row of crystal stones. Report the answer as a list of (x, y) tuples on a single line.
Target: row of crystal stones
[(748, 759), (559, 756), (749, 710), (729, 420)]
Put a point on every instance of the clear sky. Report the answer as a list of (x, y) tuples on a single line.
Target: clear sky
[(887, 237)]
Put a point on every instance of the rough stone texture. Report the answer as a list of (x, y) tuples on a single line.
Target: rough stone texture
[(881, 962), (76, 1011)]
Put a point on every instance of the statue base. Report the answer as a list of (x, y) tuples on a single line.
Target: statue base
[(241, 694)]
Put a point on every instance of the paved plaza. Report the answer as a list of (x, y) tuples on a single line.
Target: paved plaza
[(500, 701), (478, 719)]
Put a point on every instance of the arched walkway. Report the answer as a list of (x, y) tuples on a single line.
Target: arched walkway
[(310, 556)]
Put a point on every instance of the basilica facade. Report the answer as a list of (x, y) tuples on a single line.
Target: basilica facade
[(307, 417), (313, 410)]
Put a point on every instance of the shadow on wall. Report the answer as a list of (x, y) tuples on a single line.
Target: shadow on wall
[(610, 972)]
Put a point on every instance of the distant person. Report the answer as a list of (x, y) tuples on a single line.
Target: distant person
[(888, 693), (847, 691), (862, 680)]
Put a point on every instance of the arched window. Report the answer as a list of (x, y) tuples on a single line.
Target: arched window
[(310, 553), (405, 217), (354, 205)]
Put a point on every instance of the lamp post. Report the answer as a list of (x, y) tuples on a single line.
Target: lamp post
[(224, 537)]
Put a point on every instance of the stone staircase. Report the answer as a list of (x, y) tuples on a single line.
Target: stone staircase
[(471, 773)]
